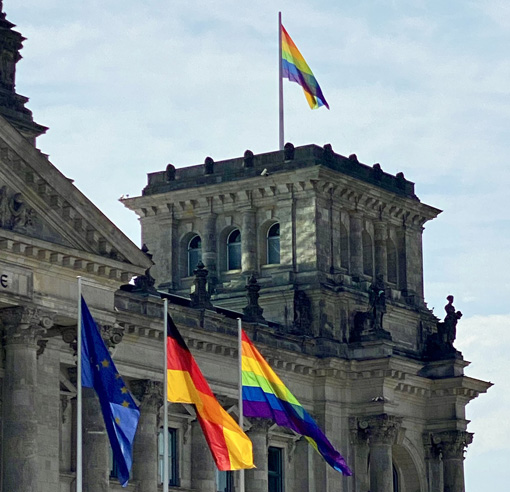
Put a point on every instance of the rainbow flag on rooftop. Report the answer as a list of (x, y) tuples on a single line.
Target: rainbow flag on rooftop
[(265, 396), (295, 68)]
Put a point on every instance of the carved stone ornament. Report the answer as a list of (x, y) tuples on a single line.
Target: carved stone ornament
[(112, 334), (380, 429), (25, 325), (15, 214), (452, 444), (149, 393), (253, 312)]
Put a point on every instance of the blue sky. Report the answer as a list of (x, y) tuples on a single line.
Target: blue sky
[(420, 86)]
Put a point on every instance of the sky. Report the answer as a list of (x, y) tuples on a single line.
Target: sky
[(420, 86)]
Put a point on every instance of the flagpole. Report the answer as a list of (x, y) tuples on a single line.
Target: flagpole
[(240, 389), (280, 79), (165, 400), (79, 430)]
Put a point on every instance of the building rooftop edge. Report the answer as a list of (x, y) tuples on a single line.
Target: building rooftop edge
[(252, 165)]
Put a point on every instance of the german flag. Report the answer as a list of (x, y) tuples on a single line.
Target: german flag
[(230, 446)]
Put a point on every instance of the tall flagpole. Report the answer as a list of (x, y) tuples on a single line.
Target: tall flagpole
[(280, 79), (240, 390), (79, 430), (165, 400)]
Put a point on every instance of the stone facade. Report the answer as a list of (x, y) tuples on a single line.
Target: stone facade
[(326, 272)]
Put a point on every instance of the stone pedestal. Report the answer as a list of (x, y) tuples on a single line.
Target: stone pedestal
[(256, 478), (203, 468), (356, 244), (20, 435), (96, 459), (145, 447), (249, 242)]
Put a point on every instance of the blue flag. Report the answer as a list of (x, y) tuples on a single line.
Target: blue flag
[(120, 411)]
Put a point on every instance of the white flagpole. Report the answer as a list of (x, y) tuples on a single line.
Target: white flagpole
[(280, 79), (240, 390), (79, 430), (165, 400)]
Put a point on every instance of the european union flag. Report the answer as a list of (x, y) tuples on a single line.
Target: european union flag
[(120, 411)]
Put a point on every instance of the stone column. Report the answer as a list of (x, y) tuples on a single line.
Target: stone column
[(431, 443), (381, 254), (203, 468), (209, 248), (356, 244), (249, 242), (382, 431), (96, 462), (359, 441), (256, 478), (20, 444), (145, 447), (49, 411), (453, 444)]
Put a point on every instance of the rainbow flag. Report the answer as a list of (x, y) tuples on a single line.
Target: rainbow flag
[(265, 396), (230, 446), (295, 68)]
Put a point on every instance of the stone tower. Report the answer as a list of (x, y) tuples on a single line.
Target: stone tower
[(320, 232), (12, 104)]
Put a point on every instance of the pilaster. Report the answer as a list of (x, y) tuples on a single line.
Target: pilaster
[(209, 247), (249, 242), (381, 253), (359, 441), (256, 478), (356, 244), (145, 448), (203, 468), (433, 462)]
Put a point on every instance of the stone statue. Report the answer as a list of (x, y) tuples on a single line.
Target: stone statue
[(449, 326), (440, 344), (377, 301)]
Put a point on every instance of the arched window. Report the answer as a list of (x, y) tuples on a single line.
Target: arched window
[(368, 255), (194, 253), (234, 250), (273, 244)]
